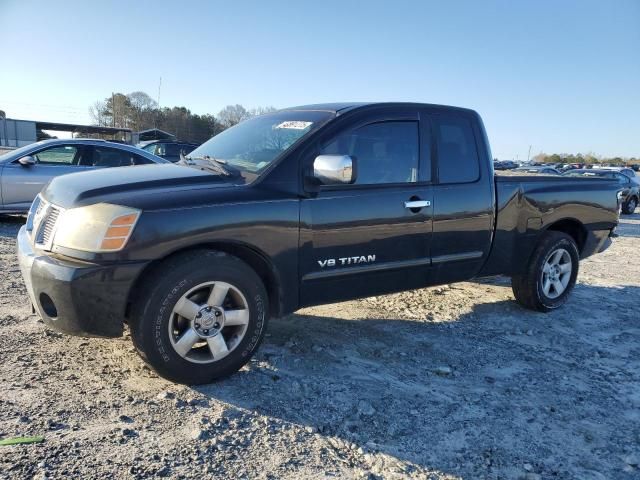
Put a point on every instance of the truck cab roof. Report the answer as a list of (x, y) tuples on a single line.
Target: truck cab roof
[(340, 108)]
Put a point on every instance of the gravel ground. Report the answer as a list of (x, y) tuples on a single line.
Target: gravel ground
[(446, 382)]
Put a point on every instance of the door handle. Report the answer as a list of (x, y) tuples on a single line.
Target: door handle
[(417, 204)]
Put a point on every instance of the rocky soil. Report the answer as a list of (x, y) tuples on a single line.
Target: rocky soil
[(443, 383)]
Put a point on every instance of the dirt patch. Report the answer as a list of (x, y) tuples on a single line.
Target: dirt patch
[(446, 382)]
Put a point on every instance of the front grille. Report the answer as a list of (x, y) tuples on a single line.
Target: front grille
[(45, 232), (44, 224)]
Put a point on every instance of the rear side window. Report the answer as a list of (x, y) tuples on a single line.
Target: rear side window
[(173, 150), (385, 152), (188, 149), (457, 154), (111, 157), (622, 178), (140, 160)]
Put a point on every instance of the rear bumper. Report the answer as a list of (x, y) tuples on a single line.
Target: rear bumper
[(597, 241), (77, 298)]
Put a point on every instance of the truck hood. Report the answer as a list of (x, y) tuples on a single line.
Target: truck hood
[(117, 185)]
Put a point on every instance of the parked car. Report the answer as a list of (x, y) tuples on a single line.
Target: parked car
[(629, 186), (170, 150), (570, 166), (24, 171), (505, 165), (628, 171), (541, 170), (299, 207)]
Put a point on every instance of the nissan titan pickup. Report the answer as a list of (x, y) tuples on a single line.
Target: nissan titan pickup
[(304, 206)]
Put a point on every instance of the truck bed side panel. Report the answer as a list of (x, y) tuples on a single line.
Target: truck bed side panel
[(529, 205)]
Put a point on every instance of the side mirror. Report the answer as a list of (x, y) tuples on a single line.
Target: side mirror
[(334, 169), (27, 161)]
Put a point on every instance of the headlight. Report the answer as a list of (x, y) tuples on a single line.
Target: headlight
[(96, 228)]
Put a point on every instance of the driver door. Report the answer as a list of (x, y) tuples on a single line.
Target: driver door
[(21, 183), (372, 236)]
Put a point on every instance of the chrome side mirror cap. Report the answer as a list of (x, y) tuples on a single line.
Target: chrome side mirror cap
[(27, 161), (334, 169)]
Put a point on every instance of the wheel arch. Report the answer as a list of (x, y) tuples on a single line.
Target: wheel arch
[(572, 227), (253, 257)]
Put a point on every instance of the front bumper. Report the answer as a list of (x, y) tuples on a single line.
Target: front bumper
[(74, 297)]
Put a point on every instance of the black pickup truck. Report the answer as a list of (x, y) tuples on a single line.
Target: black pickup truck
[(300, 207)]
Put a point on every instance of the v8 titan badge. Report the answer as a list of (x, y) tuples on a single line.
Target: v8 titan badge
[(342, 261)]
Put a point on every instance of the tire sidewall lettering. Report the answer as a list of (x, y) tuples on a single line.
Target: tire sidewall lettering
[(159, 325), (257, 333)]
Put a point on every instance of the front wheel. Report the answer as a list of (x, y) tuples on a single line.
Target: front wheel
[(630, 207), (200, 317), (550, 275)]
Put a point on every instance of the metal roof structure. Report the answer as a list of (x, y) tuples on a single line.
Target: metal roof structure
[(78, 128), (154, 134)]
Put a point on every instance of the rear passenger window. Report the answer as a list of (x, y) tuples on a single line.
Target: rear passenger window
[(140, 160), (385, 152), (457, 153), (172, 150), (111, 157)]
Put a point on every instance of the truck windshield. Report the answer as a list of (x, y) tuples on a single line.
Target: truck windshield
[(251, 146)]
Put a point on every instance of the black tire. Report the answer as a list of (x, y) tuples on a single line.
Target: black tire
[(528, 288), (165, 285), (630, 207)]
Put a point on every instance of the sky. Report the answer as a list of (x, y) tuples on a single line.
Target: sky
[(558, 76)]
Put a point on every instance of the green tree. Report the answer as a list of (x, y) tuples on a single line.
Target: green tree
[(138, 111)]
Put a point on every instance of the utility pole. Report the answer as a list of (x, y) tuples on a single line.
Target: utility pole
[(159, 87), (113, 110), (529, 154), (155, 119)]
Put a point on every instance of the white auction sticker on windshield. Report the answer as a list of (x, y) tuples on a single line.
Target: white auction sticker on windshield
[(294, 125)]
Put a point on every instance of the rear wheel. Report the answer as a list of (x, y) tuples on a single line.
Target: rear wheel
[(200, 317), (630, 207), (550, 275)]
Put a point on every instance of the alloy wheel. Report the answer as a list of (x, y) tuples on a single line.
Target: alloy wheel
[(556, 273), (208, 322)]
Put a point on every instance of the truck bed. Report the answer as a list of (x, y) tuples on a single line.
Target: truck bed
[(527, 205)]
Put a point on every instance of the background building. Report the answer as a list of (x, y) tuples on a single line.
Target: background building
[(18, 133)]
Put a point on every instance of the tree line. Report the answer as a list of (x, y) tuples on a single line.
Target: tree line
[(138, 111), (588, 159)]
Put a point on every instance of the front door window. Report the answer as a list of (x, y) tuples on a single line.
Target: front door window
[(60, 155)]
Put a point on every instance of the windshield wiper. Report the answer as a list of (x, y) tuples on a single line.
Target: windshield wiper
[(213, 164)]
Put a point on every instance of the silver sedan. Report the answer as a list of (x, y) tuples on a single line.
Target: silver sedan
[(25, 171)]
